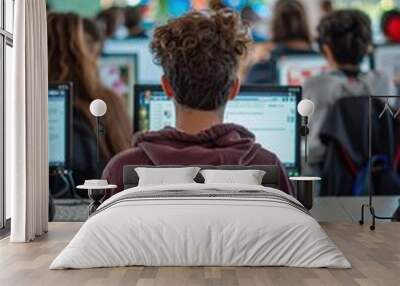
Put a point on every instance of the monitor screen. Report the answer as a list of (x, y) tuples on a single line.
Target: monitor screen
[(148, 71), (387, 59), (295, 69), (118, 72), (59, 123), (269, 112)]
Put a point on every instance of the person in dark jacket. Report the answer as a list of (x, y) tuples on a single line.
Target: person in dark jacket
[(200, 54)]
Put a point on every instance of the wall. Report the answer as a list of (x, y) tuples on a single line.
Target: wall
[(86, 8)]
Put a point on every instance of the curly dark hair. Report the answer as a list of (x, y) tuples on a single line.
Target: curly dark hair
[(200, 53), (348, 34)]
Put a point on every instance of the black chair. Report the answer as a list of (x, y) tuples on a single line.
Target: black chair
[(345, 136)]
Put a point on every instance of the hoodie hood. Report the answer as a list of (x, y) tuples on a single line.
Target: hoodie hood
[(222, 144)]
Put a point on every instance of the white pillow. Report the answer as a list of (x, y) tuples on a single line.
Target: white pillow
[(246, 177), (166, 176)]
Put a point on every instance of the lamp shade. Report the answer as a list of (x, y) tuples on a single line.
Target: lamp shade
[(98, 107), (305, 107)]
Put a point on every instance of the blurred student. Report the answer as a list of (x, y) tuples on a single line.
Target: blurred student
[(70, 59), (290, 35), (216, 5), (112, 21), (326, 7), (345, 38), (255, 24), (390, 25), (93, 36), (199, 54), (133, 22)]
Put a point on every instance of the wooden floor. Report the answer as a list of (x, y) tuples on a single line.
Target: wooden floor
[(375, 257)]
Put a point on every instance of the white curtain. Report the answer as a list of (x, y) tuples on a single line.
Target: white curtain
[(26, 124)]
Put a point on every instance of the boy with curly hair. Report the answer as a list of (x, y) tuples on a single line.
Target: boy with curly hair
[(200, 54)]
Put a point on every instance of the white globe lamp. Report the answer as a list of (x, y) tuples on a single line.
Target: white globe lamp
[(305, 108), (98, 108), (305, 185)]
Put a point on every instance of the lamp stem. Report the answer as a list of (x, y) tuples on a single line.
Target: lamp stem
[(306, 149), (305, 122), (98, 147)]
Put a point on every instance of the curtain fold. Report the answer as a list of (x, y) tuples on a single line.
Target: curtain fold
[(26, 124)]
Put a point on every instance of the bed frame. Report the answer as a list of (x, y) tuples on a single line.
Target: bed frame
[(271, 177)]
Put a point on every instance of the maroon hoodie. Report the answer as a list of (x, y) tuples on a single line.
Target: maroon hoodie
[(223, 144)]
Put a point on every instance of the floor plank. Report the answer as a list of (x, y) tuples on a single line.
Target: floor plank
[(375, 257)]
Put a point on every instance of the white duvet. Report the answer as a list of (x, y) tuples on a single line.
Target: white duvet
[(200, 231)]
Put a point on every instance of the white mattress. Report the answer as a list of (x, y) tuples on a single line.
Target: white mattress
[(191, 231)]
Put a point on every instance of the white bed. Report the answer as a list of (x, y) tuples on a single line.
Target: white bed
[(239, 229)]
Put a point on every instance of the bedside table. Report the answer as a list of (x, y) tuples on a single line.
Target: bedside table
[(305, 190), (96, 194)]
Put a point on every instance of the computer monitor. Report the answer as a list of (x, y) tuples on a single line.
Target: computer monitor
[(294, 70), (387, 59), (119, 73), (147, 71), (60, 124), (270, 112)]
